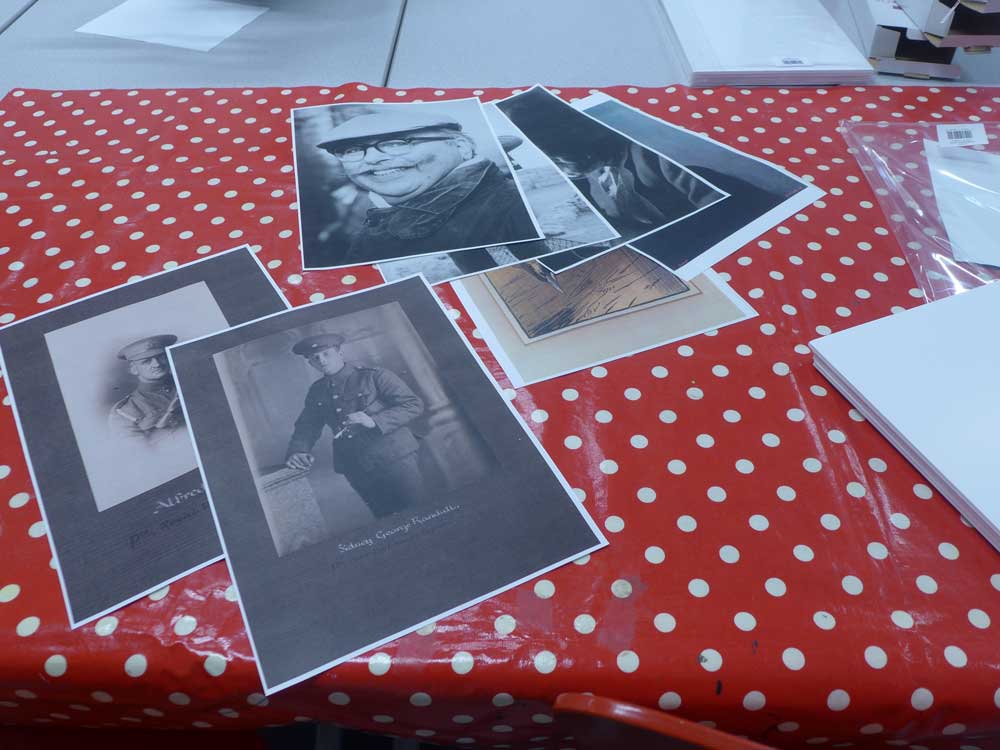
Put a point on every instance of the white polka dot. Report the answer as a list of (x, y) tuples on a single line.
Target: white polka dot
[(803, 553), (698, 587), (923, 491), (770, 440), (614, 524), (502, 700), (687, 524), (504, 624), (655, 555), (37, 529), (159, 593), (257, 699), (676, 466), (716, 494), (852, 585), (669, 701), (745, 621), (775, 587), (876, 657), (106, 625), (545, 589), (793, 659), (628, 661), (19, 500), (599, 372), (101, 697), (185, 625), (729, 554), (957, 728), (900, 521), (664, 622), (339, 699), (135, 665), (878, 551), (539, 416), (9, 592), (572, 442), (838, 700), (56, 665), (710, 660), (27, 626), (829, 522), (979, 619), (215, 664), (754, 700), (812, 465), (955, 656), (633, 394), (872, 729), (639, 441), (732, 416), (462, 662), (795, 415), (788, 726), (695, 394), (948, 551), (856, 489), (545, 662), (584, 624), (927, 584), (668, 417), (659, 372), (380, 663), (603, 416), (607, 466), (758, 522), (743, 466), (646, 494), (922, 699), (902, 619), (621, 588)]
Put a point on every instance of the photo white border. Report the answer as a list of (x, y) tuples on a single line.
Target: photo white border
[(698, 177), (603, 542), (576, 191), (518, 381), (741, 237), (73, 622), (496, 141)]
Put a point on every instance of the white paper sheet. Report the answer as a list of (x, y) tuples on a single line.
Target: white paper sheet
[(191, 24), (967, 191)]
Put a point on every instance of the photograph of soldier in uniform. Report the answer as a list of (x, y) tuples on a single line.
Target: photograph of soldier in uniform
[(638, 190), (153, 410), (346, 423), (378, 182), (366, 474), (566, 218), (120, 394)]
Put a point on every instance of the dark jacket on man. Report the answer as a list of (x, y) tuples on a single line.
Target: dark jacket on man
[(475, 205)]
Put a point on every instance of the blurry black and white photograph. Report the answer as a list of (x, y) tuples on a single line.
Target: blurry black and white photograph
[(379, 182), (567, 220), (119, 392), (103, 427), (366, 475), (637, 189), (761, 194), (346, 422)]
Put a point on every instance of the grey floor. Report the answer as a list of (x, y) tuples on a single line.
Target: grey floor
[(402, 43)]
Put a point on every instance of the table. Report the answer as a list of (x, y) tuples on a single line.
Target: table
[(775, 567), (295, 42)]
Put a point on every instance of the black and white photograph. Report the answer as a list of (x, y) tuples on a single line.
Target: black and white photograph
[(103, 429), (636, 188), (761, 194), (379, 182), (566, 218), (366, 475)]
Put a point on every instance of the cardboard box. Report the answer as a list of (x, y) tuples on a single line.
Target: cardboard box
[(893, 45), (946, 24)]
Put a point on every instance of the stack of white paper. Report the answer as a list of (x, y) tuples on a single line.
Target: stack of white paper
[(764, 42), (927, 380)]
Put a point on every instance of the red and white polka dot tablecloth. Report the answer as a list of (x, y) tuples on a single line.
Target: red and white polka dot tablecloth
[(775, 567)]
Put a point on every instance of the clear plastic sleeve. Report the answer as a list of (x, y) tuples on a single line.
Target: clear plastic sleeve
[(942, 199)]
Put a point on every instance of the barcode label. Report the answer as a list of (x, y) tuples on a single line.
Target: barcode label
[(965, 134), (793, 61)]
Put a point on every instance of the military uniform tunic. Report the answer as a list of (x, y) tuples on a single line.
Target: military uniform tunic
[(150, 412), (381, 462)]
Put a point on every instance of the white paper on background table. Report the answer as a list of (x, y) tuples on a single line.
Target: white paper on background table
[(191, 24), (967, 191)]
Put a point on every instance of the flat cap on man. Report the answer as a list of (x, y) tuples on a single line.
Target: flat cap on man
[(150, 346), (385, 123), (312, 344)]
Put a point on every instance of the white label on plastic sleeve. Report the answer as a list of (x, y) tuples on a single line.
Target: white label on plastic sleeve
[(965, 134), (791, 62)]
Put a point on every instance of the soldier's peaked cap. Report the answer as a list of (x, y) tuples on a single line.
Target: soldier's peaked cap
[(313, 344), (147, 347), (385, 123)]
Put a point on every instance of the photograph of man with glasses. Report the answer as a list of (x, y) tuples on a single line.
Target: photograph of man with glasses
[(416, 179)]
